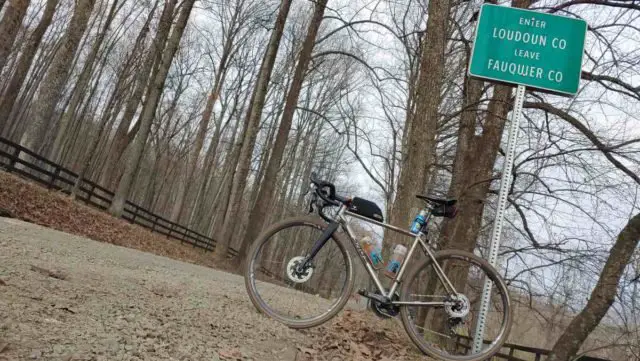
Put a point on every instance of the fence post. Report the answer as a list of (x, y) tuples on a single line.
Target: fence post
[(55, 175), (93, 189), (153, 225), (192, 238), (135, 213), (13, 159)]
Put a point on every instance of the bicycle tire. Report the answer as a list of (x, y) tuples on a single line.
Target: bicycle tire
[(497, 282), (250, 278)]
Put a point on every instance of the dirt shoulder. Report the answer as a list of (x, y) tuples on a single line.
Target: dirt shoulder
[(32, 203)]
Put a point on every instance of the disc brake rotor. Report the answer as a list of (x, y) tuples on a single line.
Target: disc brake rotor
[(458, 306), (292, 270)]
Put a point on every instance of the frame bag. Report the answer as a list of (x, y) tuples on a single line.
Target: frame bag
[(366, 208)]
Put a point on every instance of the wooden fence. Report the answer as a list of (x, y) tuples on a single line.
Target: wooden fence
[(512, 352), (56, 177)]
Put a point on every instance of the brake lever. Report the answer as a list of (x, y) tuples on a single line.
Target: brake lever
[(314, 199)]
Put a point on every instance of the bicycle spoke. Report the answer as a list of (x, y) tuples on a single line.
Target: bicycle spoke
[(310, 296), (440, 331)]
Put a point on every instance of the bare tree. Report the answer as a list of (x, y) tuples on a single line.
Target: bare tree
[(602, 296), (24, 62), (149, 109), (125, 133), (54, 82), (265, 196), (250, 131), (241, 13), (80, 88), (422, 134), (9, 26)]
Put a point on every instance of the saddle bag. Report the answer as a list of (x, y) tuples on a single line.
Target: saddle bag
[(366, 208)]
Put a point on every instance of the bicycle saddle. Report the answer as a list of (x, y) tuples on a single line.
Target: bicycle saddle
[(438, 201)]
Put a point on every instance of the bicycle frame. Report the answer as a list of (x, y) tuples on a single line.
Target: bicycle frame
[(341, 221)]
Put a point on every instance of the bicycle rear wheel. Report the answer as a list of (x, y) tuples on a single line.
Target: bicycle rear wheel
[(447, 332), (298, 301)]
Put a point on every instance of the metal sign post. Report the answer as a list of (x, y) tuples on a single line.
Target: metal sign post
[(531, 50), (505, 185)]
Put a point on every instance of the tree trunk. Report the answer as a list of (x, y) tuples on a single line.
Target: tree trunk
[(251, 131), (267, 146), (54, 81), (9, 26), (210, 161), (149, 110), (421, 140), (474, 160), (265, 196), (206, 117), (94, 141), (476, 176), (123, 135), (30, 88), (81, 84), (10, 94), (602, 296)]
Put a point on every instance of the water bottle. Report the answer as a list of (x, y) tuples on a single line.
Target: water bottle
[(393, 266), (419, 221), (372, 251)]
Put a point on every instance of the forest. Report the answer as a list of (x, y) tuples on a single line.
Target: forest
[(214, 114)]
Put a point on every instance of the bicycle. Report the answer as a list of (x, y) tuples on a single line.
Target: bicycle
[(309, 268)]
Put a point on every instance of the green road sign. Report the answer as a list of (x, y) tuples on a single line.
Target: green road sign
[(529, 48)]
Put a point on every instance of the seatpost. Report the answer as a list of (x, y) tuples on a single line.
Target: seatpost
[(427, 218), (429, 211)]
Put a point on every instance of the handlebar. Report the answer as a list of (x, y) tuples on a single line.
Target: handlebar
[(321, 185), (329, 196)]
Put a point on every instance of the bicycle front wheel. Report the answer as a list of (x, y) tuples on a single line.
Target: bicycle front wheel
[(294, 299), (447, 331)]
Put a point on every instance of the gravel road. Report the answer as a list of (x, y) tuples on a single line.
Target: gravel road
[(64, 297)]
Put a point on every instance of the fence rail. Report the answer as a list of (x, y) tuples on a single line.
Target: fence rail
[(512, 352), (55, 176)]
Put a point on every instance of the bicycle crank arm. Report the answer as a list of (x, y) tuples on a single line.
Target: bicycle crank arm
[(374, 296)]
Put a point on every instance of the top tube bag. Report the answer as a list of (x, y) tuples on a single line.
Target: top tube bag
[(366, 208)]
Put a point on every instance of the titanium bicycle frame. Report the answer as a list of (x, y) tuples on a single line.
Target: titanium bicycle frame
[(341, 221)]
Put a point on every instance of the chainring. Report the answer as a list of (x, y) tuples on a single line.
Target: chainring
[(382, 310)]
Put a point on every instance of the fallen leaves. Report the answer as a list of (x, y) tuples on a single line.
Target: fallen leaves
[(358, 336), (30, 202)]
